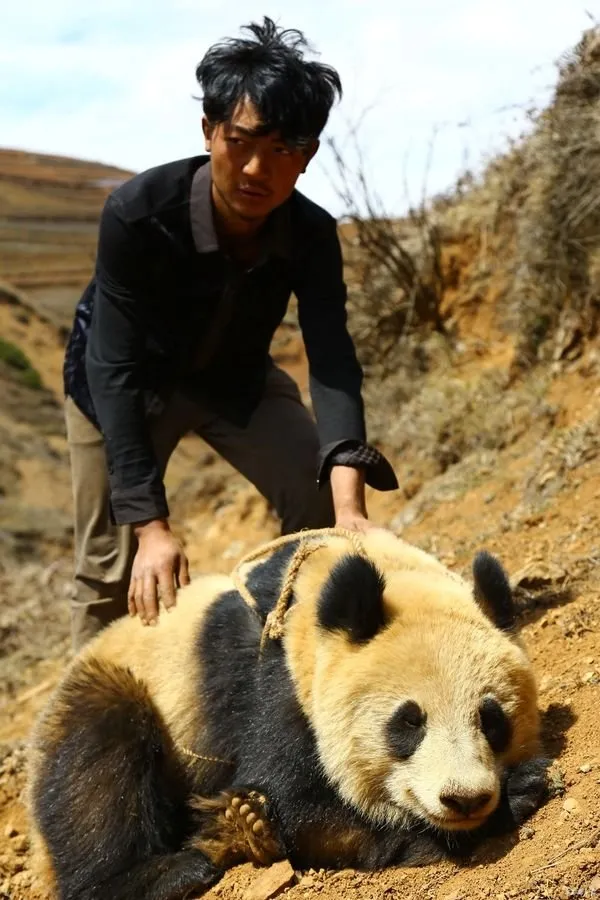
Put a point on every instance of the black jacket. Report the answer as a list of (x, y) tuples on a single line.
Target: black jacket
[(167, 309)]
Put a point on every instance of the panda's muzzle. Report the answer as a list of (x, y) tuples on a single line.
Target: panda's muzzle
[(465, 810), (467, 805)]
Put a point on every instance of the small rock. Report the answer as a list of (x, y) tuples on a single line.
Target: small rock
[(342, 873), (21, 879), (527, 832), (14, 864), (271, 882), (556, 780), (571, 805), (10, 831), (20, 843), (546, 682), (585, 768), (594, 886), (307, 881)]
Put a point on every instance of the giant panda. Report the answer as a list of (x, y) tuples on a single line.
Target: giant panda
[(391, 718)]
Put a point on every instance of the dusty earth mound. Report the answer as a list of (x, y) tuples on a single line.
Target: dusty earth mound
[(49, 208)]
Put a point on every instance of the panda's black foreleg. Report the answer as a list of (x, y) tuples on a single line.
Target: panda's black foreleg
[(524, 790)]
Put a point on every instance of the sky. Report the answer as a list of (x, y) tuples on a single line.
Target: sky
[(430, 86)]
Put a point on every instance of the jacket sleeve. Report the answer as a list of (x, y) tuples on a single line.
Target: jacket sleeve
[(113, 367), (334, 371), (335, 375)]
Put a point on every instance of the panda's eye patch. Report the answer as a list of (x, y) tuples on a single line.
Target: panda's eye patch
[(495, 724), (406, 729)]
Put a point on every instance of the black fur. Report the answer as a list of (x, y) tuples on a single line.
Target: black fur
[(495, 724), (228, 646), (352, 599), (493, 591), (266, 578), (110, 801), (525, 789), (406, 729)]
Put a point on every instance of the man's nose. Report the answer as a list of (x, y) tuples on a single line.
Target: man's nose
[(256, 166)]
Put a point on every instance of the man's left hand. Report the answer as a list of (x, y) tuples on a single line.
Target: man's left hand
[(355, 522)]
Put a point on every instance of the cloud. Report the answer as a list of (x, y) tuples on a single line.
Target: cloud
[(114, 80)]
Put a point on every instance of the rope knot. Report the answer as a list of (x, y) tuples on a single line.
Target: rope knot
[(311, 540)]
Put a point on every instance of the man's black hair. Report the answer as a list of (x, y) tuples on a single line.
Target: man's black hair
[(290, 94)]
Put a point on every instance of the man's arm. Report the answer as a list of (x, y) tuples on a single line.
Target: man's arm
[(113, 365), (335, 383), (114, 355), (349, 503)]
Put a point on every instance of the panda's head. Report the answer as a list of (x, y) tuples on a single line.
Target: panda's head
[(418, 692)]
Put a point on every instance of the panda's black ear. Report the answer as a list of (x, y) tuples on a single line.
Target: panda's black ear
[(492, 591), (352, 599)]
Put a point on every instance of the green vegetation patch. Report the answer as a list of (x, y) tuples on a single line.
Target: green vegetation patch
[(14, 357)]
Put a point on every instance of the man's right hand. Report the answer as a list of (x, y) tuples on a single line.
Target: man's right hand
[(159, 567)]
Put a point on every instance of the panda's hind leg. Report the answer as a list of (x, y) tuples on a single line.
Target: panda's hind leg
[(107, 795), (172, 876)]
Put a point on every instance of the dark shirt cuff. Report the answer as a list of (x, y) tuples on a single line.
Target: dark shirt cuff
[(378, 471), (139, 504)]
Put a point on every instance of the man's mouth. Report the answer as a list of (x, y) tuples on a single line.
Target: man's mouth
[(252, 191)]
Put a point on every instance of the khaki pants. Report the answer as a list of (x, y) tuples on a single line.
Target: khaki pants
[(277, 452)]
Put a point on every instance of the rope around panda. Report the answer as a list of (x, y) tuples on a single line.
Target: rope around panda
[(311, 540)]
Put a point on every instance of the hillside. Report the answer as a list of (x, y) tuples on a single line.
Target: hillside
[(491, 419), (49, 209)]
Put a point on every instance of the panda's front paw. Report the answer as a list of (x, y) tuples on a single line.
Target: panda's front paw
[(236, 825), (526, 788), (247, 812)]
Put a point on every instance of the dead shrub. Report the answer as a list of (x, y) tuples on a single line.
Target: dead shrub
[(557, 273), (393, 292)]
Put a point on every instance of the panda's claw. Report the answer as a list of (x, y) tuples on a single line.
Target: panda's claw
[(249, 817)]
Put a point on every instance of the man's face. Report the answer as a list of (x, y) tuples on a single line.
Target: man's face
[(252, 173)]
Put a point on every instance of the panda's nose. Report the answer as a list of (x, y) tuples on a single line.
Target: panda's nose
[(466, 804)]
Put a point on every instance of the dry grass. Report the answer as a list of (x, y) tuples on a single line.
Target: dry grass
[(395, 274), (556, 283)]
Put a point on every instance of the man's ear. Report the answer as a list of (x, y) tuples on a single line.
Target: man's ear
[(207, 130), (310, 152)]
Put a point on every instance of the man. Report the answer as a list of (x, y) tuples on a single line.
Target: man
[(195, 266)]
